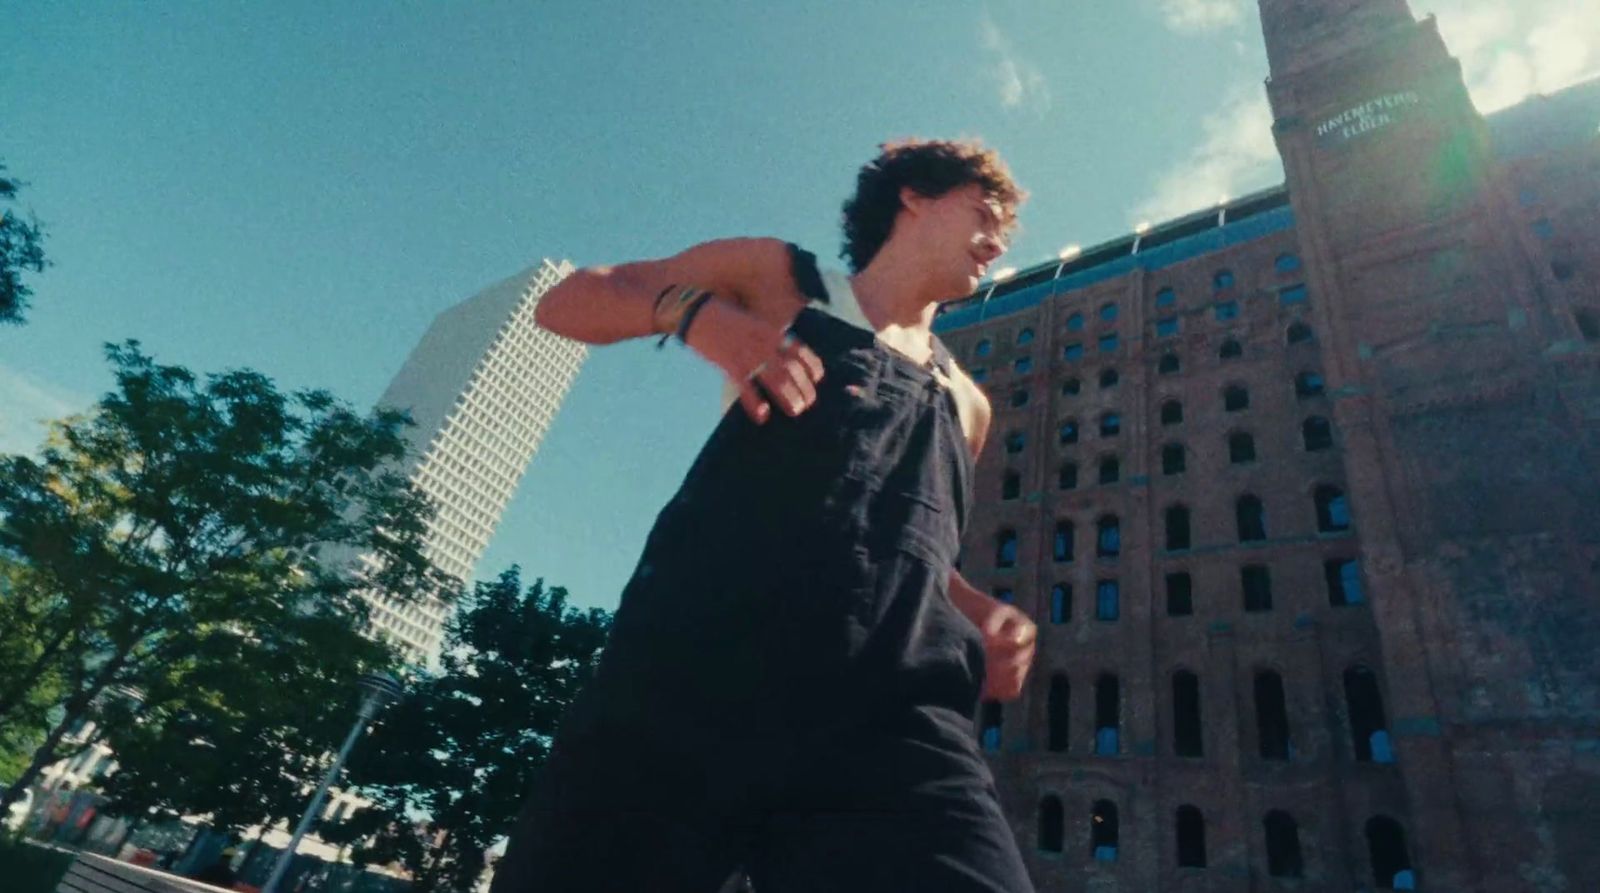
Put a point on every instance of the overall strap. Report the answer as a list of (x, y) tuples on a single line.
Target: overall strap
[(807, 275)]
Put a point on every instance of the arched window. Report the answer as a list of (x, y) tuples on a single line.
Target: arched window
[(1023, 365), (1071, 387), (1169, 364), (1107, 600), (1110, 425), (1191, 838), (1333, 514), (1299, 333), (1166, 297), (1005, 554), (1167, 326), (1177, 528), (1251, 519), (1241, 448), (1108, 378), (1067, 479), (1061, 603), (1019, 398), (1186, 737), (979, 375), (1110, 469), (1107, 715), (1103, 831), (1223, 279), (1235, 398), (1256, 583), (1180, 594), (983, 349), (993, 717), (1062, 549), (1307, 385), (1005, 594), (1108, 312), (1108, 537), (1391, 864), (1107, 343), (1052, 825), (1025, 336), (1010, 485), (1283, 845), (1369, 729), (1272, 716), (1172, 459), (1317, 434), (1588, 324), (1343, 576), (1059, 708), (1287, 263), (1230, 350), (1015, 441), (1075, 322), (1069, 431), (1226, 310), (1172, 413)]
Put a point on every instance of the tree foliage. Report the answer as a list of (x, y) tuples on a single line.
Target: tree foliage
[(184, 547), (21, 248), (447, 769)]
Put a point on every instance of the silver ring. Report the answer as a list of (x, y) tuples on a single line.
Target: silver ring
[(760, 368)]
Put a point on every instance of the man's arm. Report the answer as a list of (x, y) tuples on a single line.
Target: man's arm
[(740, 329), (604, 305), (1009, 636)]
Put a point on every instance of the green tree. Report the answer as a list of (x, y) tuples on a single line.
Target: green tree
[(182, 518), (21, 248), (448, 767)]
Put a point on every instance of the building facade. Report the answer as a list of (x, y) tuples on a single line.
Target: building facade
[(1301, 491), (483, 386)]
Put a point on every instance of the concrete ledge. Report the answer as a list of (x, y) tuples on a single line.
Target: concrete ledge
[(97, 874)]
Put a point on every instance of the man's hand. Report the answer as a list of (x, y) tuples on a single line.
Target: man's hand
[(749, 350), (1009, 639)]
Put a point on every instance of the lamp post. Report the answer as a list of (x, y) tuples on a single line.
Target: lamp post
[(377, 691)]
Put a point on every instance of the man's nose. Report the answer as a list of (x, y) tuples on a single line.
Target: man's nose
[(990, 248)]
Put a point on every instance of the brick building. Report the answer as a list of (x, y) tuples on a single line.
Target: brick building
[(1302, 492)]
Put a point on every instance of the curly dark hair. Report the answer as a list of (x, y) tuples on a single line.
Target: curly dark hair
[(932, 168)]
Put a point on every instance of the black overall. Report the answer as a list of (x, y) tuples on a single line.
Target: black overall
[(787, 689)]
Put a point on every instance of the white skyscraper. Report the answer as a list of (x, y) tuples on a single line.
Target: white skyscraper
[(483, 386)]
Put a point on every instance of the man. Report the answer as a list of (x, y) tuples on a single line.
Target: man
[(794, 666)]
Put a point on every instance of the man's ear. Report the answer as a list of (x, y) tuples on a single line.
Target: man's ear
[(912, 200)]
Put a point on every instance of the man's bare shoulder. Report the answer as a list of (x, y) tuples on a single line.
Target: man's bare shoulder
[(973, 404)]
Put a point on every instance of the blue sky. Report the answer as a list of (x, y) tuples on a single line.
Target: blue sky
[(299, 188)]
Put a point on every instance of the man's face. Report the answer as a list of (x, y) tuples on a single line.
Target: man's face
[(963, 234)]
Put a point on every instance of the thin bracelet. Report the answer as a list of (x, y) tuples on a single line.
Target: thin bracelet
[(688, 315)]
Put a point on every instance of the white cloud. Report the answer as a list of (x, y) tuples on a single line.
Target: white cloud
[(1509, 51), (1195, 16), (1236, 155), (26, 405), (1020, 82)]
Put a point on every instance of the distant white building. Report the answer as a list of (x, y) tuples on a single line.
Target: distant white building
[(483, 386)]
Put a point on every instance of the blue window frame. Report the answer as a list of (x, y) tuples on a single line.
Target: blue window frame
[(1226, 310), (1223, 279), (1023, 365), (1287, 262), (1166, 297), (1108, 312), (1025, 336), (1108, 343), (983, 349), (1167, 327), (1107, 600), (1075, 322), (1294, 294), (1060, 603), (1072, 352)]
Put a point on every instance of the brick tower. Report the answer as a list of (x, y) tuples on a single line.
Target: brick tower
[(1470, 419)]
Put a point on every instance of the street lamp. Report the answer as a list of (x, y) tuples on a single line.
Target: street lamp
[(377, 691)]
